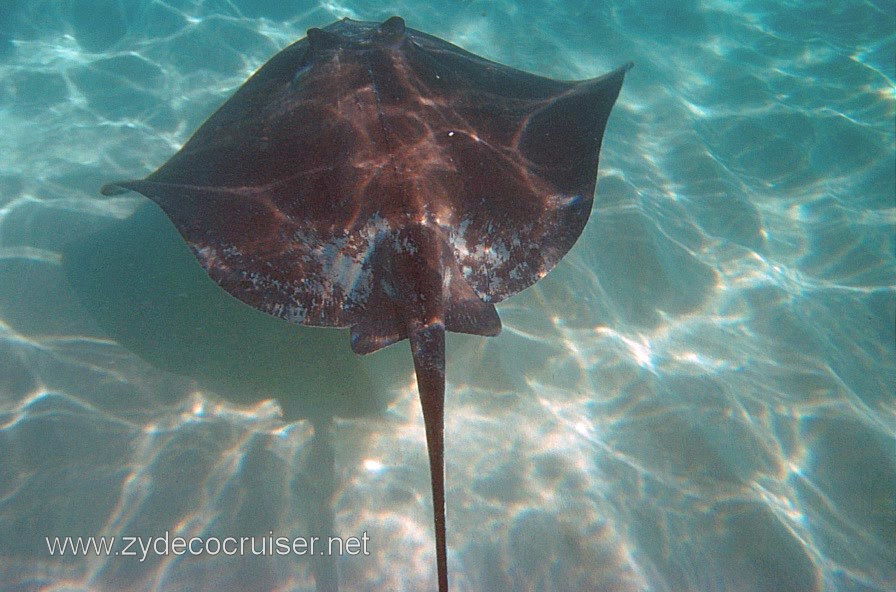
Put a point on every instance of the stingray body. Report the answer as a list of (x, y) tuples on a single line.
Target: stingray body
[(375, 177)]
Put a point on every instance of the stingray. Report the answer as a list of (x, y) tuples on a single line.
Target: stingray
[(375, 177)]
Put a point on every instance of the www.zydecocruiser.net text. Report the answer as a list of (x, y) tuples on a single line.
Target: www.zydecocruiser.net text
[(166, 545)]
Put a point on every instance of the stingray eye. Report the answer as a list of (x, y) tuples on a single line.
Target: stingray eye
[(322, 40), (392, 28)]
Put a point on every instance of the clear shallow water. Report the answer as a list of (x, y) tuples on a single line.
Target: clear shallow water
[(699, 397)]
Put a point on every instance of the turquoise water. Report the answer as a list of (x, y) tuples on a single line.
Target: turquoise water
[(700, 397)]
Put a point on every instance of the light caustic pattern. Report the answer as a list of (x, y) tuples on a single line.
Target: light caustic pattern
[(699, 397)]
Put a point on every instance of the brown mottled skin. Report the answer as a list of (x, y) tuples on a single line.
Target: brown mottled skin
[(375, 177)]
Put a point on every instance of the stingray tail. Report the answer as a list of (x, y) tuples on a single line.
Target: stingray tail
[(428, 349)]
